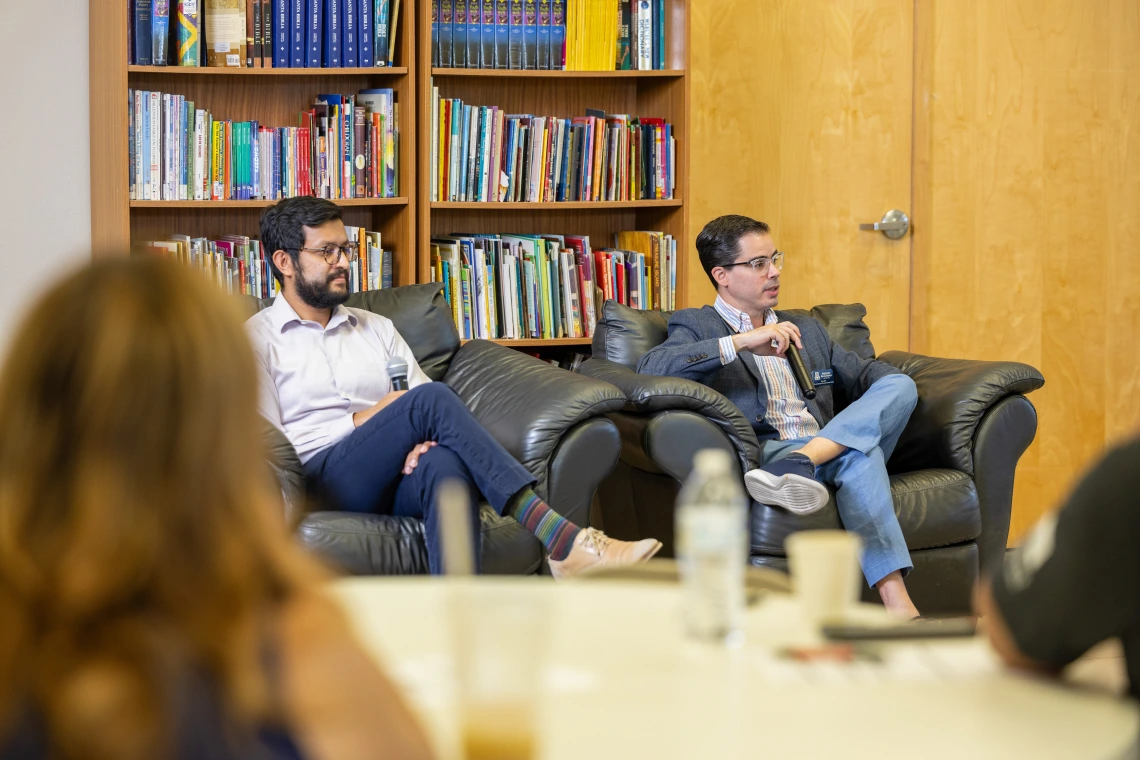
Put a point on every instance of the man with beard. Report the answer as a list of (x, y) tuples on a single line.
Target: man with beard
[(737, 347), (324, 383)]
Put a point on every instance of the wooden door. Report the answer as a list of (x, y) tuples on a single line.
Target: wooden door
[(802, 118), (1027, 242)]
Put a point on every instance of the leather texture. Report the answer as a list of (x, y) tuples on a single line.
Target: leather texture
[(951, 473), (551, 420), (953, 395)]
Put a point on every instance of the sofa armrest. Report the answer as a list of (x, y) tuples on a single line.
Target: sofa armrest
[(953, 397), (526, 404), (648, 394)]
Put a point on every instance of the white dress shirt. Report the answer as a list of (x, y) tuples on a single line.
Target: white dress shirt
[(786, 410), (312, 378)]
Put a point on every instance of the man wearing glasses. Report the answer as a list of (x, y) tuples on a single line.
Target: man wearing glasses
[(737, 347), (325, 385)]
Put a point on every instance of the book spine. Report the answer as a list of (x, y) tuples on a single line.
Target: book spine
[(644, 34), (530, 34), (365, 31), (250, 32), (659, 37), (255, 161), (185, 150), (435, 59), (259, 33), (199, 154), (459, 34), (281, 33), (502, 34), (445, 33), (474, 33), (297, 33), (623, 52), (350, 58), (516, 36), (330, 54), (314, 23), (159, 28), (544, 37), (143, 34), (188, 44), (487, 35), (558, 34), (382, 20), (358, 147)]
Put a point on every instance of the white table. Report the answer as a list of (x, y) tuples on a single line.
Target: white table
[(623, 682)]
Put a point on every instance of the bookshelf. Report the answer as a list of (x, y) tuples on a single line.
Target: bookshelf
[(657, 93), (272, 96)]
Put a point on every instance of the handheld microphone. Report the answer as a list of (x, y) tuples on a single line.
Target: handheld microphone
[(799, 369), (398, 373)]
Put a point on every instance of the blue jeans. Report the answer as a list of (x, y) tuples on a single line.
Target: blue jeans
[(363, 472), (869, 428)]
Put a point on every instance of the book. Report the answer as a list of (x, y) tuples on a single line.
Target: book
[(459, 34), (558, 34), (544, 36), (225, 33), (515, 35), (159, 30), (383, 12), (297, 33), (143, 34), (365, 32), (474, 34), (487, 35), (393, 26), (349, 50), (530, 34), (435, 59), (314, 36), (189, 53), (502, 33), (250, 30), (446, 59), (281, 47), (266, 34), (330, 53), (623, 57)]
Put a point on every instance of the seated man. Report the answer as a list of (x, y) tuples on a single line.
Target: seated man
[(1075, 581), (737, 347), (323, 370)]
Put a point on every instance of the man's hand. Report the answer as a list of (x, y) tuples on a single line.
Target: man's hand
[(759, 340), (414, 455), (359, 418)]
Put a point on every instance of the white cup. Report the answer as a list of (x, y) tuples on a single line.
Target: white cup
[(825, 573)]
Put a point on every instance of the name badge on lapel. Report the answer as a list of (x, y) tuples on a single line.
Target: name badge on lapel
[(823, 377)]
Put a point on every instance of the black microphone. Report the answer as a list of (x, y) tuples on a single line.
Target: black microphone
[(398, 373), (800, 370)]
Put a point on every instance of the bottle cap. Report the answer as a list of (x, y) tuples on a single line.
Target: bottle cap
[(712, 461)]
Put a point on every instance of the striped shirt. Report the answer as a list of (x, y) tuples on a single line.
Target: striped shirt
[(786, 410)]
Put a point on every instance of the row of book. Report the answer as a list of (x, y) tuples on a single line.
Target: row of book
[(549, 286), (262, 33), (571, 35), (240, 265), (345, 146), (481, 153)]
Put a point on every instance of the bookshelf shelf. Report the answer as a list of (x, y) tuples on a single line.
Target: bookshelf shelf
[(207, 205), (270, 96), (566, 206), (508, 74), (198, 71)]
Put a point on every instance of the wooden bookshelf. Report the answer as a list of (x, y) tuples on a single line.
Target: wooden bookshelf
[(662, 93), (274, 97)]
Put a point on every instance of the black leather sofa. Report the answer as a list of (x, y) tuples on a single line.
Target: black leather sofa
[(554, 422), (951, 473)]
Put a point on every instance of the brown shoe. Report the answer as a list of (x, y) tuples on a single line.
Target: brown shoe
[(593, 549)]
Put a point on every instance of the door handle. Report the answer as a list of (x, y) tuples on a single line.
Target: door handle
[(894, 224)]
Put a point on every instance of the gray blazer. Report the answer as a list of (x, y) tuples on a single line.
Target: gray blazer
[(692, 352)]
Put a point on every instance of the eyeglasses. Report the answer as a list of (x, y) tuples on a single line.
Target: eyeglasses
[(760, 263), (331, 253)]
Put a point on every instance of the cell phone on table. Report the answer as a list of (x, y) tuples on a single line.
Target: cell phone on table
[(926, 629)]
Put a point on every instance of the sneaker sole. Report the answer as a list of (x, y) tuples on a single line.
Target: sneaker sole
[(795, 493)]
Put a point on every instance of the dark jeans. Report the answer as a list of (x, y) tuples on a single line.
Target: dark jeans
[(364, 471)]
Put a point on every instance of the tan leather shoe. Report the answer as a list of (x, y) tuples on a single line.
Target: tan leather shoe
[(593, 549)]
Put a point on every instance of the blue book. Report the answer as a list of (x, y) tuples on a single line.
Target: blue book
[(349, 58), (459, 34), (331, 53), (502, 33), (142, 33), (530, 34), (544, 35), (445, 24), (487, 36), (256, 159), (474, 25), (365, 30), (382, 20), (314, 22), (297, 33), (558, 34), (280, 34), (515, 37), (434, 31), (159, 30), (187, 117)]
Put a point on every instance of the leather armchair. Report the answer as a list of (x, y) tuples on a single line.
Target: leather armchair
[(951, 473), (552, 421)]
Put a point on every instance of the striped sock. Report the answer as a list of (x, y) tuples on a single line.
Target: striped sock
[(555, 532)]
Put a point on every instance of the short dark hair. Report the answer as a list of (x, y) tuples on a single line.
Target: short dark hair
[(719, 242), (281, 226)]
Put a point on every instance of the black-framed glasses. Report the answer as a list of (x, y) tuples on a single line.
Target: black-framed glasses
[(760, 263), (331, 253)]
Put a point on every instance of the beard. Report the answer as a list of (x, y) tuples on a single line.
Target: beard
[(318, 294)]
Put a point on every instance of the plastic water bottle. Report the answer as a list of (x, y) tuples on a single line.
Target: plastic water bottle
[(712, 548)]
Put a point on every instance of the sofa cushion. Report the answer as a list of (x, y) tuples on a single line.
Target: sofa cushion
[(934, 508)]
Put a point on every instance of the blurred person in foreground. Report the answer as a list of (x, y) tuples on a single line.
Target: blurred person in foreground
[(152, 604), (1075, 580)]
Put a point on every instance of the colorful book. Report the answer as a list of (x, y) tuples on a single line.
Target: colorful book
[(189, 53), (474, 33), (544, 36), (459, 34), (383, 8), (159, 31), (516, 36), (446, 59), (487, 35)]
